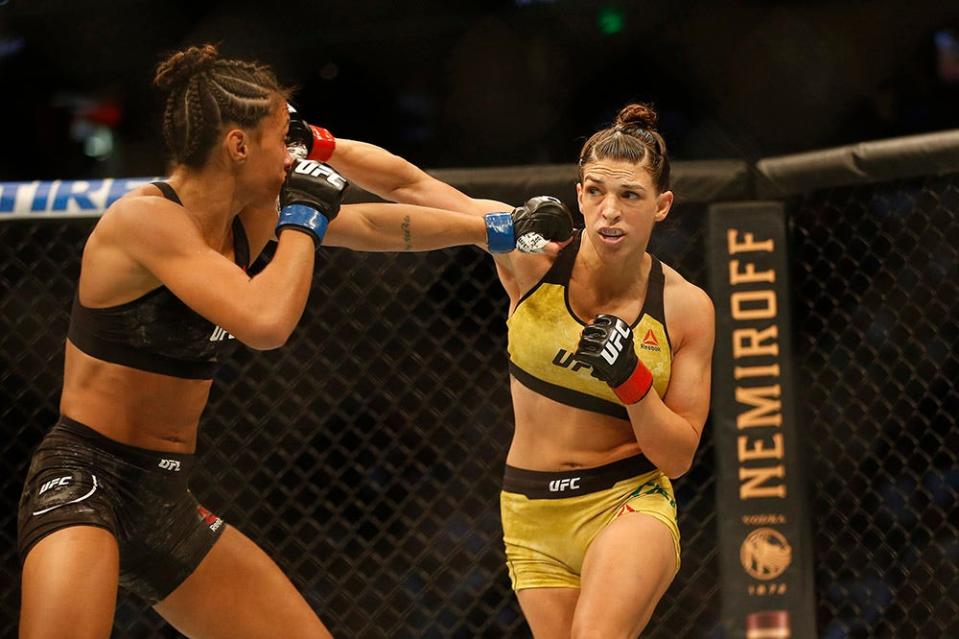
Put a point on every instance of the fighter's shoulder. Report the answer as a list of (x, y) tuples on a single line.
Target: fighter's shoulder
[(141, 212), (144, 198), (527, 269), (685, 303)]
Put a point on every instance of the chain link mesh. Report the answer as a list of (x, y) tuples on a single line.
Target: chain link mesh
[(365, 456), (877, 317)]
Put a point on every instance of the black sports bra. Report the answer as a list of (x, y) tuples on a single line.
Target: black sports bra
[(155, 332)]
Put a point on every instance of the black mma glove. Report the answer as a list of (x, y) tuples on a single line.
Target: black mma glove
[(529, 227), (606, 345), (305, 141), (310, 198)]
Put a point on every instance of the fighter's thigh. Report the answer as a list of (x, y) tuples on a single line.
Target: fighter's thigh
[(69, 584), (627, 569), (549, 611), (238, 592)]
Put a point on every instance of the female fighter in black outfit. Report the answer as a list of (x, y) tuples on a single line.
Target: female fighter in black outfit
[(162, 288)]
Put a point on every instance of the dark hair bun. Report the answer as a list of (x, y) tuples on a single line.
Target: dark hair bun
[(183, 65), (638, 114)]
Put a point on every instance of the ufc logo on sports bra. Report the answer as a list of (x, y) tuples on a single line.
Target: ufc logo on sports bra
[(564, 359), (559, 485), (314, 168), (615, 344)]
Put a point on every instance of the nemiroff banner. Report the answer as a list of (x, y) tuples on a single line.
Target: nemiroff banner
[(765, 546)]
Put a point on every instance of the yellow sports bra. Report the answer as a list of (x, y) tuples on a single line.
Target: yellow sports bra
[(544, 333)]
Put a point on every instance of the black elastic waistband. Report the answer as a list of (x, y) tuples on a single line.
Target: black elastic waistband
[(537, 484), (149, 460)]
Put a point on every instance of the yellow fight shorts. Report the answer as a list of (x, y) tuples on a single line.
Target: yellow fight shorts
[(549, 519)]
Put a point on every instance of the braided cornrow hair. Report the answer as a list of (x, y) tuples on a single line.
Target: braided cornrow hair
[(207, 92), (632, 137)]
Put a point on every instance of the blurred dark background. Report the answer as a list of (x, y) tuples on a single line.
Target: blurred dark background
[(481, 83)]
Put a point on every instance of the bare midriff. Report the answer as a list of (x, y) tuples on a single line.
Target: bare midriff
[(135, 407), (550, 436)]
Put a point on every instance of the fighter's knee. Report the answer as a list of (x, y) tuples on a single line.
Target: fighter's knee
[(597, 625), (593, 627), (596, 633)]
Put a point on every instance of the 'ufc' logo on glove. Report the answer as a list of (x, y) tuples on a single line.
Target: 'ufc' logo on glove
[(606, 345), (318, 169), (614, 343)]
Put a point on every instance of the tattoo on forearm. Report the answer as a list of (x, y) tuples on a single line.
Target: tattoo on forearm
[(407, 234)]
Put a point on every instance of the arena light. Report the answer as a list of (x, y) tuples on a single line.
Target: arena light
[(99, 142), (611, 20)]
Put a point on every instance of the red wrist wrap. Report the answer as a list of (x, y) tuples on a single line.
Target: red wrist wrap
[(636, 387), (323, 144)]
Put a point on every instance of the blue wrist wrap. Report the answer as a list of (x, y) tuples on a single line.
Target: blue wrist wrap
[(307, 219), (499, 232)]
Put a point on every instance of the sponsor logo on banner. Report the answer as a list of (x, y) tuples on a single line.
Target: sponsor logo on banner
[(64, 198), (765, 554)]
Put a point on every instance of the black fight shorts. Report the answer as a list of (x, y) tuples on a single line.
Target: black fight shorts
[(79, 477)]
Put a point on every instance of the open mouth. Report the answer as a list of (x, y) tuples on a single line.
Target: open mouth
[(611, 235)]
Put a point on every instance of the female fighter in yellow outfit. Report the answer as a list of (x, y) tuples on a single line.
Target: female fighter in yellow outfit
[(610, 353)]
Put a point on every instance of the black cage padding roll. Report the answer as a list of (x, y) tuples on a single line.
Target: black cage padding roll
[(693, 182), (928, 154), (365, 455)]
